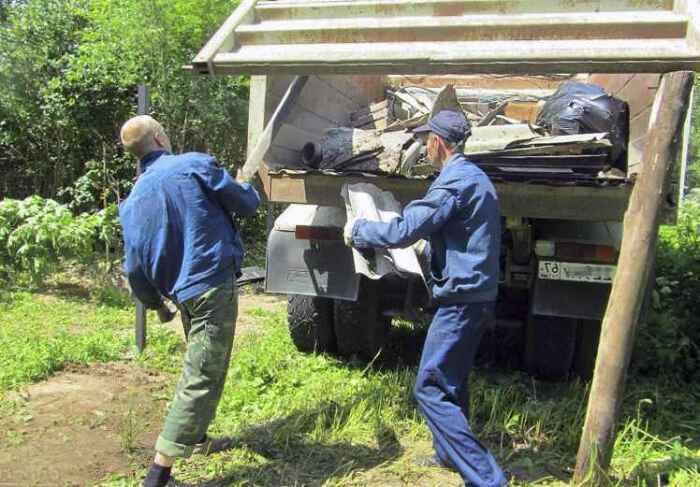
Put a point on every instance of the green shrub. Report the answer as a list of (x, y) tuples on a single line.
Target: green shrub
[(36, 234), (670, 341)]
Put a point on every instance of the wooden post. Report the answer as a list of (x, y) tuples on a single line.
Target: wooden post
[(140, 321), (640, 231)]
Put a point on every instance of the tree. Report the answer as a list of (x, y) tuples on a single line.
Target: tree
[(69, 71)]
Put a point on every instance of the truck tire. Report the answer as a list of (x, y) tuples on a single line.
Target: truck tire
[(587, 339), (360, 329), (310, 322), (550, 346)]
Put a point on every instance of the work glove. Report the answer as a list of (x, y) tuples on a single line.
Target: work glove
[(241, 178), (347, 231), (166, 313), (421, 247)]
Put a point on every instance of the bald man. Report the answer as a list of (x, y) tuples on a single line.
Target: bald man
[(181, 244)]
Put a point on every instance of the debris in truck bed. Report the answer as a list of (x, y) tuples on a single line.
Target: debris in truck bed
[(358, 150), (504, 141), (578, 108), (376, 116), (446, 100)]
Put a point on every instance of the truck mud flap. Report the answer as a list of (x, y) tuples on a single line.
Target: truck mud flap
[(310, 267), (566, 299)]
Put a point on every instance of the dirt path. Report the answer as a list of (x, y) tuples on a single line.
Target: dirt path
[(88, 422), (246, 323), (80, 424)]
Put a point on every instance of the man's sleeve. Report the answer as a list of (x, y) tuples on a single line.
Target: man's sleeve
[(420, 219), (234, 197), (140, 286)]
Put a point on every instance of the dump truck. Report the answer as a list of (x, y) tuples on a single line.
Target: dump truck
[(314, 64)]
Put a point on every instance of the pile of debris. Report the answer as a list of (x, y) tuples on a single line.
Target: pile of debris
[(577, 134)]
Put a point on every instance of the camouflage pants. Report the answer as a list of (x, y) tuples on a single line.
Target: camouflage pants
[(209, 321)]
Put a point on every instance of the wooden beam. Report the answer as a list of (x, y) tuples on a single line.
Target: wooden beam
[(640, 232), (256, 114), (516, 199), (252, 164)]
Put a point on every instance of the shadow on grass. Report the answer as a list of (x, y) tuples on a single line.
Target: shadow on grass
[(284, 454), (87, 290)]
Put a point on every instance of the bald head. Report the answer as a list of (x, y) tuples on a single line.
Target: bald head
[(142, 135)]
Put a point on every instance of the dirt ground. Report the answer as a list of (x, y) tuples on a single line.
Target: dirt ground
[(80, 425), (86, 423), (248, 300)]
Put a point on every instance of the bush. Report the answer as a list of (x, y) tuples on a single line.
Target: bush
[(670, 341), (36, 234)]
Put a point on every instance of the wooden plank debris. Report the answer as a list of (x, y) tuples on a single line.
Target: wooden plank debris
[(256, 156)]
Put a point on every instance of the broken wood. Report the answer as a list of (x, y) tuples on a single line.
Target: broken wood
[(252, 164), (491, 116), (641, 225)]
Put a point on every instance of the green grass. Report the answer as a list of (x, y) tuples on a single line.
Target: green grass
[(313, 420), (41, 334), (70, 323), (305, 420)]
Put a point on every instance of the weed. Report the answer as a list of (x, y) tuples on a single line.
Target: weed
[(130, 424)]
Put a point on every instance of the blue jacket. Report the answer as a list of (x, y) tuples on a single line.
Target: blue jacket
[(179, 236), (460, 216)]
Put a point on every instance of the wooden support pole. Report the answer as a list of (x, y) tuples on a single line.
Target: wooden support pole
[(140, 318), (640, 231)]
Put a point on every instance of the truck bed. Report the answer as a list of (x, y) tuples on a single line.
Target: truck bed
[(517, 199)]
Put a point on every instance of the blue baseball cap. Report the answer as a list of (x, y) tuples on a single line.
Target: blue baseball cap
[(448, 124)]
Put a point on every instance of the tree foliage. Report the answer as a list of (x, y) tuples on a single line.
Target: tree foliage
[(69, 71)]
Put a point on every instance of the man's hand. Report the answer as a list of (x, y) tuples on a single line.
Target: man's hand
[(241, 178), (347, 231), (166, 313)]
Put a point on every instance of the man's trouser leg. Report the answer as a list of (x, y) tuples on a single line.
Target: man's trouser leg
[(448, 356), (209, 322)]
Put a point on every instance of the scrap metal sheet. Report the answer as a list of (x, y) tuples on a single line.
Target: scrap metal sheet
[(366, 201)]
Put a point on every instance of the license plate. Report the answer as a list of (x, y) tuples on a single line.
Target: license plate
[(574, 271)]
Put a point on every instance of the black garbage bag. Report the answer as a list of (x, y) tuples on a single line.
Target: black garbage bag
[(578, 108)]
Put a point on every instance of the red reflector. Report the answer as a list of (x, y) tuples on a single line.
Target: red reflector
[(584, 252), (605, 253), (305, 232)]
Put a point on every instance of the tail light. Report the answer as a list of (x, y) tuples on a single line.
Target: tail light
[(305, 232), (586, 252)]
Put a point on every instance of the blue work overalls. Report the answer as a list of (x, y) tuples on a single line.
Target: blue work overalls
[(460, 216)]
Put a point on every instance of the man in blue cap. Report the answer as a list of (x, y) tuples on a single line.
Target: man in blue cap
[(461, 218)]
